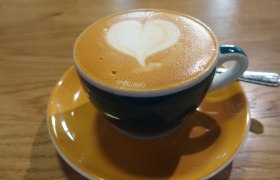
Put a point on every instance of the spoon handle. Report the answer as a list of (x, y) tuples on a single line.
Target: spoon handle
[(263, 78)]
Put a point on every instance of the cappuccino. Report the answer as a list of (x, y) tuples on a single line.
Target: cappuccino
[(146, 50)]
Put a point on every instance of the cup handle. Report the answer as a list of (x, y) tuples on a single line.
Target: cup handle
[(230, 53)]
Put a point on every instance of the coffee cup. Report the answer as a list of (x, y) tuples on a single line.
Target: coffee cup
[(147, 70)]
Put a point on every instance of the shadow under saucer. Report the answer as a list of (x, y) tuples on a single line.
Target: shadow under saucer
[(45, 163)]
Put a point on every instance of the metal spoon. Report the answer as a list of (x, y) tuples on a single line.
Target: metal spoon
[(263, 78)]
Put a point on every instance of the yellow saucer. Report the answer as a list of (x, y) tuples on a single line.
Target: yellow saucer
[(202, 147)]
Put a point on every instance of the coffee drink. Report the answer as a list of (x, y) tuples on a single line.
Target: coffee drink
[(146, 71), (146, 50)]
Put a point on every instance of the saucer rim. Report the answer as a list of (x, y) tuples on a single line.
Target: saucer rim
[(78, 170), (248, 120), (92, 177)]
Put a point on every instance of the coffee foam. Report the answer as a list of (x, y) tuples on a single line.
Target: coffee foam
[(142, 40), (145, 50)]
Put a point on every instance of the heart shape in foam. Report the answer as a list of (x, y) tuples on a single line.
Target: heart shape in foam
[(142, 40)]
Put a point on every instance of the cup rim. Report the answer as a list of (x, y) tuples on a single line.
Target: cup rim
[(155, 92)]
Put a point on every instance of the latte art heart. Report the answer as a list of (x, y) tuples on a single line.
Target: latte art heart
[(142, 40)]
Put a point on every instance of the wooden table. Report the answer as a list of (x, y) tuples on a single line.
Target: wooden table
[(36, 42)]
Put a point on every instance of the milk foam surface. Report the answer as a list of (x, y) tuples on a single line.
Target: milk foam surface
[(142, 40), (145, 50)]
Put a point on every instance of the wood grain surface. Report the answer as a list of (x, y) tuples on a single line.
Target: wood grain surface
[(36, 42)]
